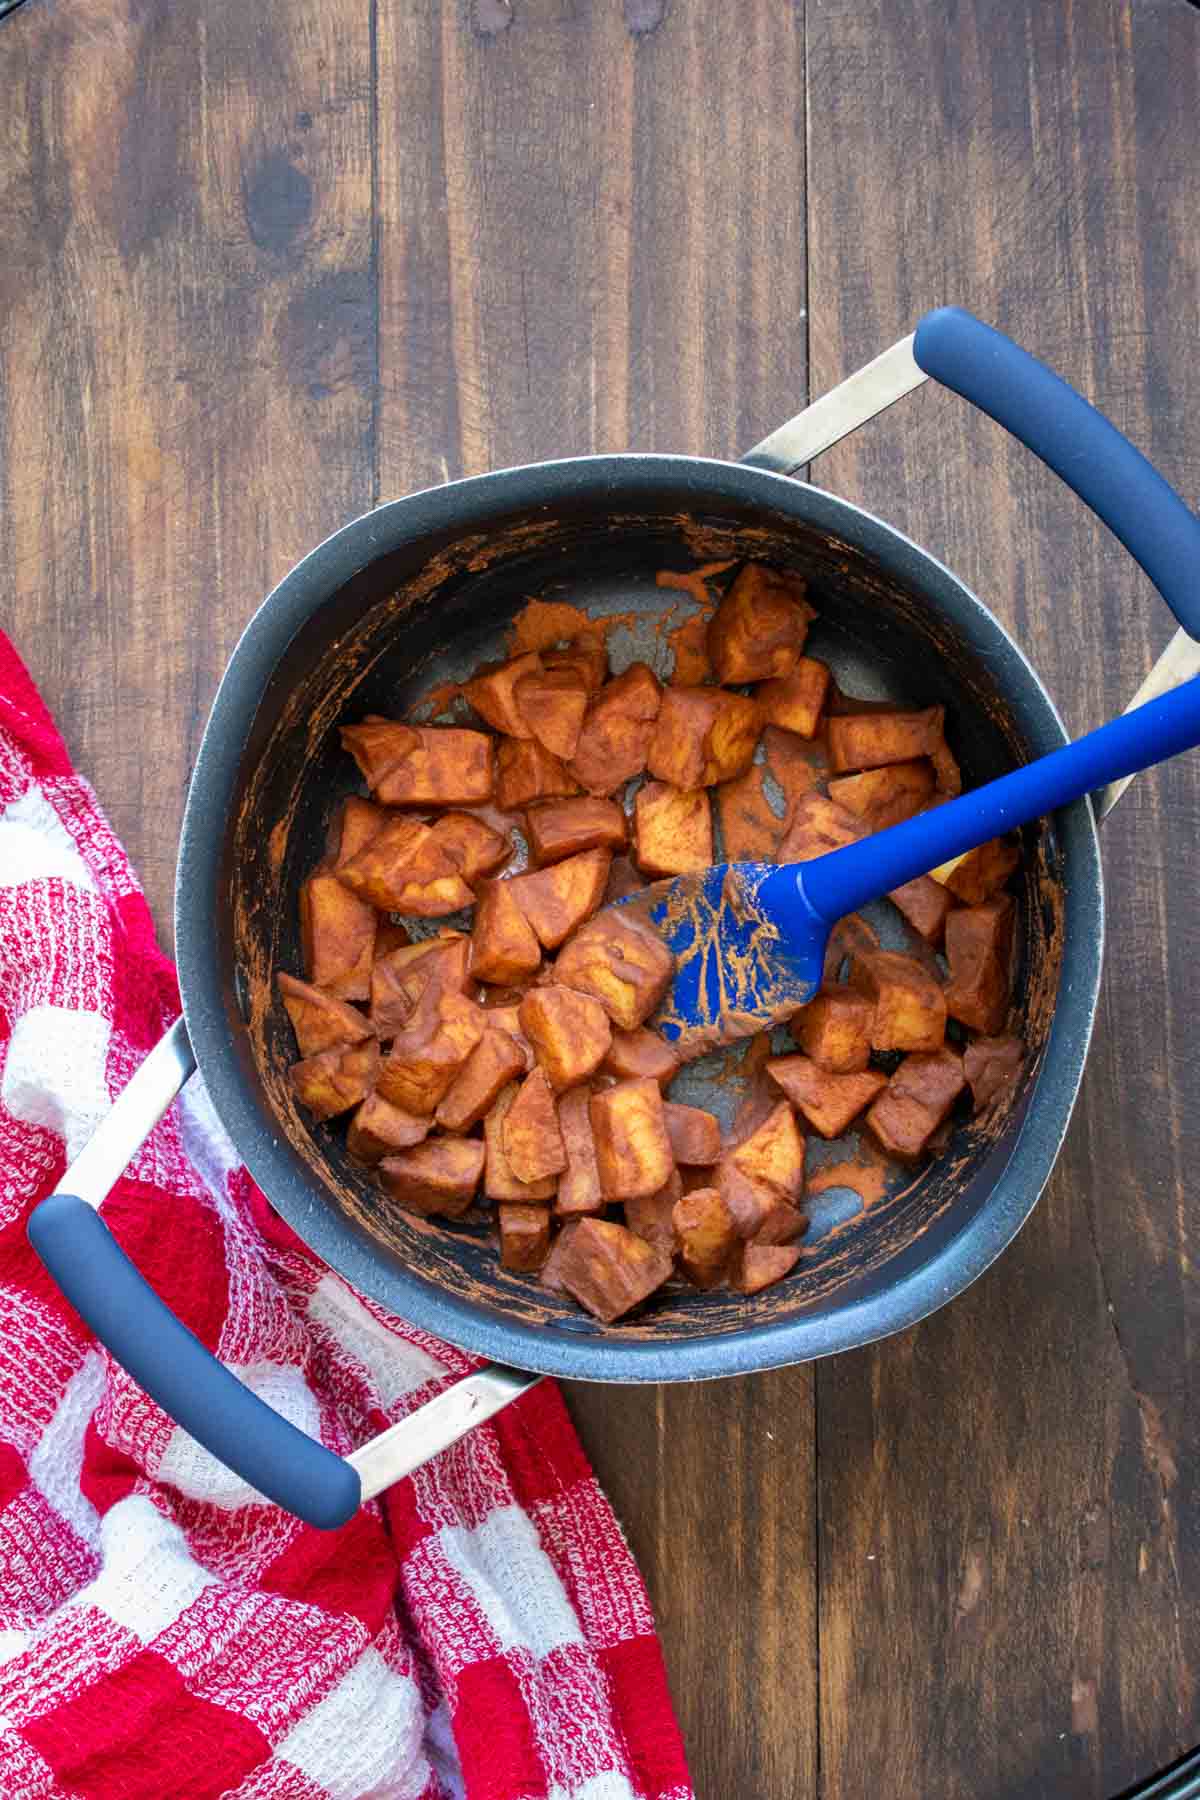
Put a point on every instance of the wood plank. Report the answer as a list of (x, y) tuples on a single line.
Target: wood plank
[(590, 239), (1009, 1527), (187, 349)]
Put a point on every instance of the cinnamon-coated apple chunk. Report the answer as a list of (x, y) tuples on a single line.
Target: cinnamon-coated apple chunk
[(829, 1102), (440, 1176), (585, 657), (795, 702), (355, 826), (991, 1066), (835, 1030), (318, 1020), (619, 961), (917, 1099), (570, 1033), (492, 692), (504, 948), (773, 1155), (558, 828), (557, 899), (379, 1129), (579, 1189), (617, 729), (337, 937), (695, 1135), (335, 1080), (633, 1151), (762, 1265), (532, 1138), (428, 1053), (471, 845), (910, 1005), (707, 1236), (758, 631), (500, 1182), (609, 1270), (883, 797), (817, 825), (672, 829), (640, 1052), (651, 1216), (526, 771), (979, 952), (402, 869), (925, 903), (870, 740), (524, 1236), (495, 1061), (552, 702), (399, 979), (422, 765), (702, 735), (978, 874)]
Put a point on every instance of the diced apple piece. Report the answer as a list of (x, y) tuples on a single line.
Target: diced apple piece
[(634, 1053), (570, 1033), (335, 1080), (883, 797), (508, 1018), (991, 1066), (532, 1139), (617, 729), (762, 1265), (377, 745), (817, 826), (872, 740), (499, 1182), (916, 1101), (830, 1103), (422, 765), (758, 631), (504, 949), (795, 702), (773, 1155), (552, 704), (835, 1030), (379, 1129), (557, 899), (620, 961), (672, 829), (439, 1177), (650, 1216), (550, 1276), (524, 1236), (781, 1224), (525, 771), (979, 873), (585, 657), (492, 692), (402, 869), (702, 735), (399, 979), (925, 904), (470, 845), (319, 1020), (337, 935), (979, 952), (558, 828), (910, 1005), (579, 1188), (495, 1061), (707, 1238), (750, 1203), (428, 1053), (609, 1270), (695, 1135), (356, 825), (633, 1151), (946, 771)]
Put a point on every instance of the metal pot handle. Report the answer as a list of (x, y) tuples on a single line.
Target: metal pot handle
[(187, 1380), (1124, 491)]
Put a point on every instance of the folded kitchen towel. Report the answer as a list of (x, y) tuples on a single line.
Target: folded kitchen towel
[(165, 1634)]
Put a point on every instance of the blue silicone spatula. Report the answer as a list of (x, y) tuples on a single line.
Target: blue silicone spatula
[(749, 938)]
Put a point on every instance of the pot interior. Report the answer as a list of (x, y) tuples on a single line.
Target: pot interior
[(427, 614)]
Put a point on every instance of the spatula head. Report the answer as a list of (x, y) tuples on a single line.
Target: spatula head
[(749, 951)]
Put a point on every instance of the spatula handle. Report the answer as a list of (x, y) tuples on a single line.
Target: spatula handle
[(839, 883)]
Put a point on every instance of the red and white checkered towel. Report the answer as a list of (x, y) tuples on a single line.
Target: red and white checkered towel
[(164, 1633)]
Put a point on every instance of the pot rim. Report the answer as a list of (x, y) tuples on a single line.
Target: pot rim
[(288, 1181)]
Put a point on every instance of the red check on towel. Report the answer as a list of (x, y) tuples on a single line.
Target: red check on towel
[(165, 1634)]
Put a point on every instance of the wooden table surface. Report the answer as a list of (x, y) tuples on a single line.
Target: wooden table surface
[(264, 265)]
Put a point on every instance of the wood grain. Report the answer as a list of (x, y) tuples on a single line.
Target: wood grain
[(1007, 1495), (187, 326), (264, 266)]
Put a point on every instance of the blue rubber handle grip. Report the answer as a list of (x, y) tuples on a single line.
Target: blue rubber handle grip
[(1074, 440), (173, 1366), (844, 880)]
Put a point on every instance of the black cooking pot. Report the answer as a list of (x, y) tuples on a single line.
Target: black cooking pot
[(421, 591)]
